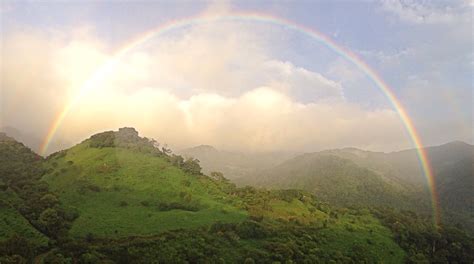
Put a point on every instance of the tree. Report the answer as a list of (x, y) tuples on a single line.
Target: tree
[(16, 245), (49, 200), (219, 176), (51, 222), (177, 160), (192, 166)]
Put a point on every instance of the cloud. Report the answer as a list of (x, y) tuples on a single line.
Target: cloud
[(261, 119), (210, 84), (426, 12)]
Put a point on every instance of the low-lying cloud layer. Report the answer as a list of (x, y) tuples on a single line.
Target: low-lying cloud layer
[(212, 84)]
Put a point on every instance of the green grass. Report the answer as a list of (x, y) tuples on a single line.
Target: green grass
[(117, 193), (12, 222), (362, 234)]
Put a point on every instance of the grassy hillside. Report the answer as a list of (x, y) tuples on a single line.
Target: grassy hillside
[(121, 192), (118, 198), (345, 239)]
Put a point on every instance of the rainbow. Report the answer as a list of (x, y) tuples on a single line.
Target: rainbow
[(104, 70)]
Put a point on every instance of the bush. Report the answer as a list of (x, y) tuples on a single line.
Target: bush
[(16, 245), (193, 207), (249, 261), (251, 229), (49, 200), (94, 188)]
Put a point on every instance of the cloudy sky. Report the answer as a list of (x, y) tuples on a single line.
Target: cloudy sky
[(238, 84)]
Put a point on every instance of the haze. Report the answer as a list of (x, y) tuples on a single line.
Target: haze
[(238, 85)]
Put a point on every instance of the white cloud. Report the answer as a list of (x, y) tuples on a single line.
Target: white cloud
[(428, 12), (214, 85)]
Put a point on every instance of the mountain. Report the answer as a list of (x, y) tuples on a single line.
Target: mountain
[(20, 170), (338, 181), (234, 165), (33, 140), (352, 176), (117, 198), (452, 166), (29, 140)]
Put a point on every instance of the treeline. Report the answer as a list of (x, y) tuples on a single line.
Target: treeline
[(20, 179), (423, 241)]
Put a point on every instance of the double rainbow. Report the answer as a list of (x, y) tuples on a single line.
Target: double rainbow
[(104, 70)]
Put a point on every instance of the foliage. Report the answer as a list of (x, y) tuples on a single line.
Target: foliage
[(424, 241), (28, 206), (118, 198)]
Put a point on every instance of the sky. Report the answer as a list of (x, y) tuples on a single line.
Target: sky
[(238, 84)]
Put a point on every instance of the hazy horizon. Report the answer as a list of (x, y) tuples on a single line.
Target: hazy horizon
[(34, 145)]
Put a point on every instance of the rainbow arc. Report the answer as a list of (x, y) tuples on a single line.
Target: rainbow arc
[(104, 70)]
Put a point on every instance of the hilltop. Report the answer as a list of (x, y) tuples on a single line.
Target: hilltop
[(122, 185)]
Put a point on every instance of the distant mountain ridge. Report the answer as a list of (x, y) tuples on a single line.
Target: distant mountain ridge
[(29, 140), (452, 165), (337, 180), (382, 176)]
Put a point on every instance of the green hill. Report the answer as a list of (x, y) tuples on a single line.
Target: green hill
[(12, 223), (119, 198), (122, 192), (19, 169), (351, 176), (336, 180), (452, 165)]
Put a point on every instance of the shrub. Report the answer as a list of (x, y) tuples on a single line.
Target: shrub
[(94, 188), (16, 245), (186, 183), (249, 261), (193, 207), (49, 200), (251, 229)]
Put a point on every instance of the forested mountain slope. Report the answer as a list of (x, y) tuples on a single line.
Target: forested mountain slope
[(350, 176), (338, 181)]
